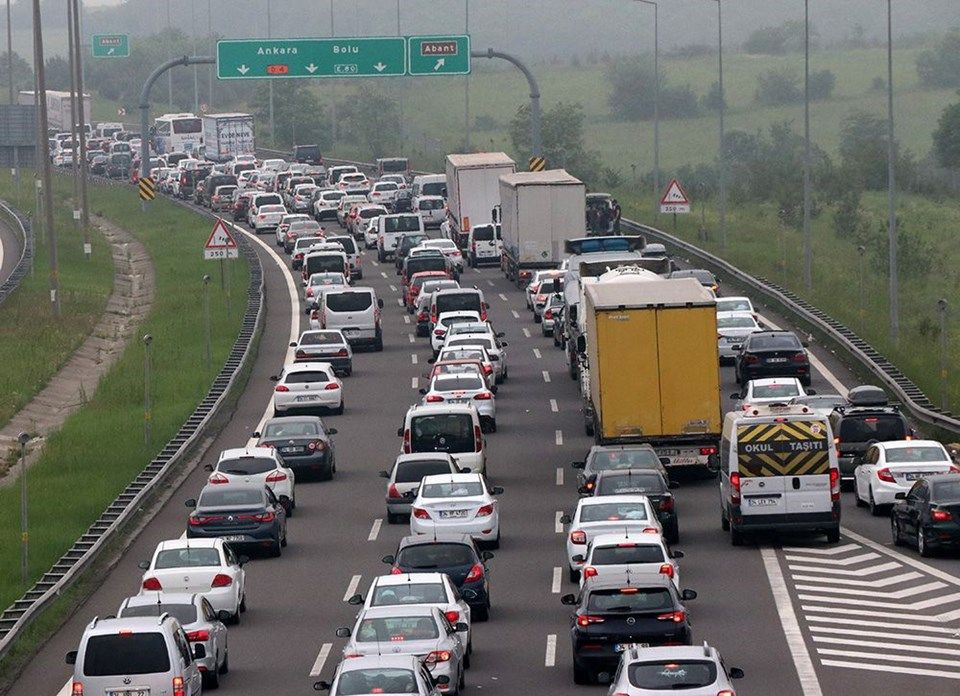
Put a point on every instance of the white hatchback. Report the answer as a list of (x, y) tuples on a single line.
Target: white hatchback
[(889, 468), (307, 386), (457, 504), (732, 329), (260, 465), (613, 555), (439, 333), (770, 390)]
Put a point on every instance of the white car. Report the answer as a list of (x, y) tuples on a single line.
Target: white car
[(893, 467), (313, 290), (473, 352), (495, 349), (273, 165), (303, 197), (384, 674), (284, 225), (457, 504), (614, 555), (736, 304), (770, 390), (533, 287), (404, 479), (353, 180), (206, 566), (732, 328), (458, 388), (448, 248), (259, 466), (307, 386), (433, 210), (345, 204), (383, 192), (424, 589), (439, 333), (267, 217), (603, 515), (325, 204), (399, 179)]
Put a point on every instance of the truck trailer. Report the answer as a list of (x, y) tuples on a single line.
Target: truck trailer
[(473, 191), (227, 135)]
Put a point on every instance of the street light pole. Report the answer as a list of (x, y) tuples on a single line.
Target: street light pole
[(942, 309), (807, 235), (82, 130), (656, 103), (196, 68), (169, 75), (273, 132), (892, 188), (16, 150), (212, 67), (333, 90), (466, 82), (23, 439), (723, 147), (208, 350), (147, 405), (861, 250)]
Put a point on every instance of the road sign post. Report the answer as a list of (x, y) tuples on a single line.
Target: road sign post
[(438, 55), (111, 46), (675, 199), (220, 244), (378, 56)]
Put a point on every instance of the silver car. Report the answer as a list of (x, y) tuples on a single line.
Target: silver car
[(410, 630), (732, 329), (325, 345), (696, 670), (404, 478), (464, 388)]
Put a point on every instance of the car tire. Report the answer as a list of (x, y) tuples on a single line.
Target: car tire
[(243, 604), (922, 547), (482, 613), (225, 667), (378, 344), (394, 518), (588, 427), (895, 532), (211, 680), (235, 619), (875, 508), (537, 318), (466, 657), (339, 409), (833, 535), (724, 522), (495, 544), (856, 496), (736, 537), (573, 575), (287, 505), (673, 535), (581, 675)]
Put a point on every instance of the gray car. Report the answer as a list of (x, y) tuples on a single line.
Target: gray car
[(303, 443), (696, 670), (404, 478), (616, 458)]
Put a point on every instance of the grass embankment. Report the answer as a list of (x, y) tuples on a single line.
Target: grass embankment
[(101, 447)]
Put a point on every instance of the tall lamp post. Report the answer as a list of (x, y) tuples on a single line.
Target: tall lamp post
[(942, 311), (722, 109), (892, 188), (656, 102), (147, 402), (23, 439), (807, 235)]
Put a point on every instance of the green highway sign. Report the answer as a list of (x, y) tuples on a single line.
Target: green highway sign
[(438, 55), (111, 46), (289, 58)]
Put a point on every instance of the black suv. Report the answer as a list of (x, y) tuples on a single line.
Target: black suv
[(648, 482), (205, 188), (613, 613), (868, 418), (772, 354), (456, 555), (307, 154)]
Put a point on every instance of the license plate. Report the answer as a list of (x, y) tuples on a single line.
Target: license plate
[(290, 450), (129, 692), (620, 647), (684, 461), (351, 333), (776, 360), (233, 537), (456, 401), (761, 502), (917, 475), (308, 397), (447, 514)]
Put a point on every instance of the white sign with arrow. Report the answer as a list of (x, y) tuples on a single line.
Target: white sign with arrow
[(220, 244)]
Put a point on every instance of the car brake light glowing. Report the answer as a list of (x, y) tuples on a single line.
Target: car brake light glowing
[(452, 616), (885, 475), (332, 386), (667, 569), (735, 488), (217, 477), (265, 517), (584, 620), (675, 616), (420, 513), (940, 515), (477, 439), (316, 446), (77, 689), (196, 636), (301, 354), (276, 476), (578, 537), (433, 398), (751, 359), (835, 485), (727, 692), (221, 580), (281, 388), (707, 451), (152, 584), (799, 357), (589, 572), (178, 689), (393, 492), (483, 396), (475, 574), (485, 511), (395, 571)]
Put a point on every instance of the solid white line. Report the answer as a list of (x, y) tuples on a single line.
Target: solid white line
[(891, 668), (536, 353), (557, 578), (912, 562), (503, 297), (413, 358), (375, 530), (526, 332), (559, 475), (515, 313), (321, 660), (558, 437), (791, 628), (553, 406), (393, 288), (550, 659), (889, 658), (546, 376), (406, 318), (557, 524), (412, 338), (415, 382), (352, 587)]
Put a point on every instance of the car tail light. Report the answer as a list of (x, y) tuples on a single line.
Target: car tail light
[(799, 357), (751, 359), (477, 439), (265, 517), (281, 388), (276, 476), (485, 511), (667, 569), (578, 537), (953, 470), (475, 574), (483, 396), (77, 689), (422, 316), (439, 333), (735, 488), (541, 298), (217, 477), (332, 386), (433, 318), (199, 635), (707, 451), (835, 485), (940, 515), (406, 441), (261, 217), (438, 656), (488, 369), (675, 616), (666, 505), (178, 689), (885, 475), (420, 513), (315, 446), (395, 571), (589, 572), (585, 620), (651, 530), (433, 398), (301, 354), (452, 616), (524, 275), (221, 580), (152, 584), (392, 491), (548, 314), (727, 692)]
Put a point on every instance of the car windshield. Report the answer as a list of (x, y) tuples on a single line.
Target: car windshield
[(401, 223), (630, 600), (458, 302), (376, 680), (228, 497), (453, 489), (634, 483), (327, 279), (603, 460), (409, 593), (247, 466), (126, 653), (321, 338), (472, 341), (184, 613), (397, 629), (775, 342), (306, 377), (459, 383), (187, 558), (736, 323), (625, 553), (672, 675), (367, 213), (862, 428), (291, 429), (916, 454), (348, 301), (775, 391), (462, 354), (734, 304), (430, 204), (614, 512), (414, 471), (436, 555)]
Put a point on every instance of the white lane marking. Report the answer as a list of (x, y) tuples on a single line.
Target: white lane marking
[(321, 660), (946, 640), (849, 560), (859, 581), (546, 376), (860, 592), (555, 585), (553, 406), (352, 587), (375, 529), (558, 437), (891, 668), (393, 288), (515, 313), (490, 283), (894, 606), (412, 338), (835, 551), (911, 562), (503, 297), (536, 353), (559, 475), (550, 658), (66, 689), (413, 358), (887, 647), (846, 621), (526, 332), (814, 362), (383, 274), (557, 524), (415, 382), (791, 628), (400, 301), (846, 611), (376, 263), (892, 658), (861, 572), (406, 318)]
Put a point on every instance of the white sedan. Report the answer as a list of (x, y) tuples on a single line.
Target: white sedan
[(268, 217), (307, 386), (461, 388), (770, 390), (205, 566), (732, 329), (890, 468), (736, 304), (457, 504), (259, 465), (439, 332)]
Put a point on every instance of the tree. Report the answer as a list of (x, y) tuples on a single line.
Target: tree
[(766, 41), (864, 150), (297, 114), (778, 87), (22, 72), (940, 66), (946, 138), (822, 83), (372, 119), (712, 101), (634, 92), (57, 73), (562, 135)]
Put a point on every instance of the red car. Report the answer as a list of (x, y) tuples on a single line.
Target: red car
[(412, 291)]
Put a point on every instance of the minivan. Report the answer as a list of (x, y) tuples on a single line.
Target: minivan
[(353, 255), (356, 312), (151, 651), (451, 428), (391, 227), (324, 262), (430, 185), (484, 244), (458, 300), (393, 165), (779, 473)]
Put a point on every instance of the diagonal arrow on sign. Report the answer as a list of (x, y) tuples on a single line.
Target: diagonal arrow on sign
[(440, 63), (312, 68)]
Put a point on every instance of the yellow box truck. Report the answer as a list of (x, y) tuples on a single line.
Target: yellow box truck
[(651, 348)]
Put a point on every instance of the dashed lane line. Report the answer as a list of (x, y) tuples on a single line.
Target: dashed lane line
[(559, 475), (536, 353), (406, 318), (321, 660), (546, 376), (415, 382), (557, 579), (413, 358), (553, 406), (413, 339), (375, 529), (491, 283), (557, 524), (550, 657), (352, 587), (504, 297), (383, 274), (393, 288), (558, 437), (526, 332), (515, 313)]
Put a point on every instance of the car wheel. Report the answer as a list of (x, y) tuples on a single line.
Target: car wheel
[(736, 537), (673, 534), (482, 613), (856, 495), (339, 409), (235, 619), (466, 657), (581, 675), (833, 535), (895, 532), (211, 680), (495, 544), (805, 381), (493, 425), (588, 428), (724, 523), (243, 604), (922, 547), (394, 518), (875, 509), (573, 575), (225, 667), (537, 318), (287, 505), (378, 344)]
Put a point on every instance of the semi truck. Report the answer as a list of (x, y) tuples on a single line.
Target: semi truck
[(539, 211), (651, 351), (473, 191), (227, 135), (58, 107)]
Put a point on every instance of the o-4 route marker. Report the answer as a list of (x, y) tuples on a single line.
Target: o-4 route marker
[(675, 199), (220, 244)]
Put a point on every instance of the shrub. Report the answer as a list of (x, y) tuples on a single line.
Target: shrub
[(778, 87), (940, 65), (822, 83)]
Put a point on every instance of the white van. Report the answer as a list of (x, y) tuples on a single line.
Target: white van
[(451, 428), (324, 261), (778, 472), (354, 259), (429, 185), (389, 230), (356, 312), (484, 244)]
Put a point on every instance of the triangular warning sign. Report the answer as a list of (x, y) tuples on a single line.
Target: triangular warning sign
[(220, 237), (674, 195)]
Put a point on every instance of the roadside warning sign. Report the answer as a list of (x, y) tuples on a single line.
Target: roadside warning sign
[(674, 199), (220, 244)]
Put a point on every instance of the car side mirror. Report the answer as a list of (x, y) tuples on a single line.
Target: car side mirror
[(578, 465), (735, 673), (493, 389), (464, 469), (384, 474), (409, 495), (208, 467), (504, 344), (315, 305), (900, 496), (355, 600), (190, 502), (673, 485), (379, 303), (579, 558), (486, 556), (199, 651), (256, 433), (581, 344), (565, 519), (399, 432), (735, 396), (293, 344), (687, 595), (274, 378), (811, 392), (332, 431), (343, 632), (422, 391), (569, 599), (389, 559), (71, 657), (460, 627), (496, 490), (431, 361), (321, 686), (676, 554), (224, 616)]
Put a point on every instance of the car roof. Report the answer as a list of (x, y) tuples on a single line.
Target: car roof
[(136, 624), (421, 456), (153, 598), (436, 409), (621, 448), (241, 452), (294, 419), (618, 580), (451, 291), (439, 537), (173, 544), (306, 367), (408, 579), (904, 444), (398, 610), (411, 662), (625, 537), (772, 381), (451, 478), (675, 652), (338, 332), (623, 498)]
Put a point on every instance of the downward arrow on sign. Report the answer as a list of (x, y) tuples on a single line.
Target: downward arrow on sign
[(379, 67), (243, 69), (311, 68)]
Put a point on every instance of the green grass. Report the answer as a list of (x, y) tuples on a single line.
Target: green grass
[(101, 449)]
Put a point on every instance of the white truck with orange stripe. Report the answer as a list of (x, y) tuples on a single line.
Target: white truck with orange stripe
[(778, 472)]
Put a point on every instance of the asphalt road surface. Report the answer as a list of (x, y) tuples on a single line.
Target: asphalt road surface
[(807, 619)]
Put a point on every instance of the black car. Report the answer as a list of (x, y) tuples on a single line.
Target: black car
[(403, 203), (868, 418), (613, 613), (928, 515), (772, 354), (303, 443), (307, 154), (426, 262), (456, 555), (98, 165), (615, 458), (405, 243), (210, 184), (189, 178), (647, 482), (245, 516)]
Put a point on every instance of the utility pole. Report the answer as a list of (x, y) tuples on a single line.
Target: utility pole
[(169, 75), (466, 81), (723, 144), (82, 130), (807, 235), (41, 99), (401, 86), (656, 104), (214, 47), (942, 311), (196, 68), (74, 98), (892, 188), (333, 89), (23, 439), (273, 131), (16, 150)]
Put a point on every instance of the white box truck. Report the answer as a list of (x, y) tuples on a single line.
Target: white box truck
[(473, 191), (539, 211), (226, 135), (58, 107)]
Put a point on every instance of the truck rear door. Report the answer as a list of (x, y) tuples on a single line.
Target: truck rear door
[(689, 372)]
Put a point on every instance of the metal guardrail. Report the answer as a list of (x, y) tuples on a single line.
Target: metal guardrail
[(23, 227), (16, 617)]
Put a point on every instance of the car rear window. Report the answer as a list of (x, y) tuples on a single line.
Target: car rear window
[(630, 599), (946, 491), (775, 391), (733, 304), (472, 341), (220, 498), (345, 242), (409, 593), (916, 454), (414, 471), (614, 512), (775, 342), (321, 338), (306, 377), (627, 553), (453, 489), (368, 213), (672, 675), (247, 466), (378, 680), (735, 323), (397, 629), (426, 263), (636, 483), (401, 223), (271, 199), (433, 189), (184, 613), (187, 558), (458, 301), (291, 429), (430, 204), (483, 234), (436, 555), (348, 301), (333, 195), (459, 383), (880, 427), (448, 432), (604, 460), (462, 354), (129, 653)]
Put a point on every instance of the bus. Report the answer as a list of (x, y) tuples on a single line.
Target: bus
[(178, 133)]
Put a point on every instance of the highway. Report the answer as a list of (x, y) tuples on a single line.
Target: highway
[(808, 619)]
